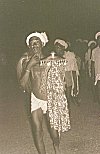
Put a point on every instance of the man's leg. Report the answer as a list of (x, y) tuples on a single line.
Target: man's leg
[(37, 119), (68, 93), (54, 136), (27, 104)]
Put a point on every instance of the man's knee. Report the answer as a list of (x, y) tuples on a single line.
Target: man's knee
[(68, 93), (37, 118), (37, 132), (55, 138)]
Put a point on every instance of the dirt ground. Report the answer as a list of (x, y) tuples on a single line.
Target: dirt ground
[(15, 131)]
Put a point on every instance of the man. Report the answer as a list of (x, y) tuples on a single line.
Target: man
[(71, 81), (37, 76), (96, 65), (88, 54), (88, 61)]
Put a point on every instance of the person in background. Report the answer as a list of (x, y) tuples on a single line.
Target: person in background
[(88, 55), (95, 65), (71, 75)]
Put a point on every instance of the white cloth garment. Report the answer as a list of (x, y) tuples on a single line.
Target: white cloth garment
[(37, 103)]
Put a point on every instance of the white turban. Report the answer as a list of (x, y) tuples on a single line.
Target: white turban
[(86, 41), (79, 40), (91, 42), (97, 34), (62, 42), (43, 37)]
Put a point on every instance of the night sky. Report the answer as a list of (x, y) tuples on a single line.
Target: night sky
[(67, 19)]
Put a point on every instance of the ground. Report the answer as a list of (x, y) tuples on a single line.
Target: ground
[(15, 131)]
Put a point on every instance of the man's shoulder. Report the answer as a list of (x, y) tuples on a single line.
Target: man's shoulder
[(95, 52), (70, 55), (96, 49), (24, 56)]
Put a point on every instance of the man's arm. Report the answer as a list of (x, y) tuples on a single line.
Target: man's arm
[(25, 68), (93, 70), (22, 71), (93, 65), (75, 73), (24, 78)]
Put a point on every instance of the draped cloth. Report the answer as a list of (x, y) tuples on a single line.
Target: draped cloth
[(57, 105), (52, 86)]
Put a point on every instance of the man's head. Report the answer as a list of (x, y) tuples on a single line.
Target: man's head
[(35, 44), (36, 41), (92, 44), (97, 37), (60, 46)]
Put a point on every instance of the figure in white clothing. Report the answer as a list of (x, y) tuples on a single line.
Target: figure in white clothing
[(96, 65), (88, 55)]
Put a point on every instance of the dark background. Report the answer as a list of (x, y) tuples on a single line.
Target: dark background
[(67, 19)]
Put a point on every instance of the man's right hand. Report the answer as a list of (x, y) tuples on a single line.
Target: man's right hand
[(33, 61)]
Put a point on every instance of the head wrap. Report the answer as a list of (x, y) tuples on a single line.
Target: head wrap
[(62, 42), (91, 42), (79, 40), (43, 37), (86, 41), (97, 34)]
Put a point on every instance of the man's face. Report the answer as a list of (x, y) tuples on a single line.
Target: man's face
[(59, 49), (92, 46), (35, 45)]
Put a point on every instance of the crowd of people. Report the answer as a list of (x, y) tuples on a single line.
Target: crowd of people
[(52, 81)]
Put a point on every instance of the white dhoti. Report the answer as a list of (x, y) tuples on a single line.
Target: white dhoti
[(38, 103)]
